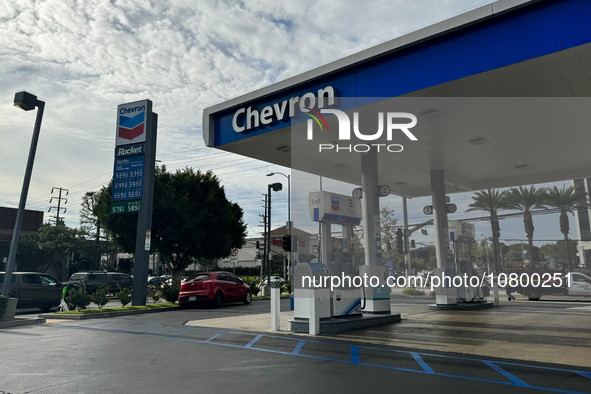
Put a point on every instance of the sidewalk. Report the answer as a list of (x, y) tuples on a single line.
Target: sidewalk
[(561, 336)]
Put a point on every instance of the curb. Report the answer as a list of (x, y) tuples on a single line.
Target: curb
[(21, 322), (54, 316), (268, 298)]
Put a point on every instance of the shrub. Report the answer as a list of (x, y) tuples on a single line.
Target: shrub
[(286, 286), (254, 286), (171, 292), (124, 295), (3, 304), (154, 293), (99, 297), (79, 297), (412, 291)]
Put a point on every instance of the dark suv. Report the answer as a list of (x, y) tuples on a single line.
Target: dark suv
[(96, 278)]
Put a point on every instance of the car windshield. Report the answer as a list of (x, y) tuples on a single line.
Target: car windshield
[(198, 278)]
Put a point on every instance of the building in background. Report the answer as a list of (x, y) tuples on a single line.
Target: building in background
[(32, 220)]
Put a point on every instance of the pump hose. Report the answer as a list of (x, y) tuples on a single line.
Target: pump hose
[(364, 299)]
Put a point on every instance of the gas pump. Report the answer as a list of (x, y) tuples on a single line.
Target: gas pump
[(346, 299), (335, 260), (462, 236)]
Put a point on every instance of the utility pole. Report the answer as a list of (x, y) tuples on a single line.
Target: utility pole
[(59, 199)]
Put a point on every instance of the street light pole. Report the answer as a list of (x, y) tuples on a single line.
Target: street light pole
[(288, 217), (27, 102), (486, 249), (274, 187)]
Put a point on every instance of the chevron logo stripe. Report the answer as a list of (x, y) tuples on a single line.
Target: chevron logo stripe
[(130, 134), (130, 123)]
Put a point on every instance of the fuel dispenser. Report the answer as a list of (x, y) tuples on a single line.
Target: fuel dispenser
[(336, 259), (462, 236)]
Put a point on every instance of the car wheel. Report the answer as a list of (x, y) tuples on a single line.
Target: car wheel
[(45, 309), (218, 299), (183, 305), (533, 296), (247, 297)]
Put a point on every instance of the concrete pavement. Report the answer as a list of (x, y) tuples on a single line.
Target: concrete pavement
[(556, 332)]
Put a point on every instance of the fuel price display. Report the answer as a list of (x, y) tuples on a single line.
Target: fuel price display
[(128, 179)]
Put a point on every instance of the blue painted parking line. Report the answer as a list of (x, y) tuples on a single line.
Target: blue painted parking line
[(182, 332), (299, 347), (354, 355), (422, 363), (208, 340), (253, 341), (506, 374), (355, 358)]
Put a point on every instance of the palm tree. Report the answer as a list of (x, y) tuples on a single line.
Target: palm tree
[(565, 200), (491, 202), (525, 200)]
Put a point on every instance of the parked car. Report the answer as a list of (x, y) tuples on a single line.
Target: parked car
[(34, 290), (94, 279), (276, 279), (156, 280), (217, 287)]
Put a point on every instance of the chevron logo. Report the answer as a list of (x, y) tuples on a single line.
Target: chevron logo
[(130, 128)]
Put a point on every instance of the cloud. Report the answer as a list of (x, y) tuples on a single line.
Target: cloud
[(84, 58)]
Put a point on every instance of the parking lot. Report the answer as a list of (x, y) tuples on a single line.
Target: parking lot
[(160, 352)]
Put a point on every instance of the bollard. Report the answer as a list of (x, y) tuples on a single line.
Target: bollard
[(275, 316), (313, 321), (496, 292)]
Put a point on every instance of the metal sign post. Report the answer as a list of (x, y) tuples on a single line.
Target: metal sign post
[(133, 182)]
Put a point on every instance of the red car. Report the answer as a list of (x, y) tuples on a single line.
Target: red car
[(218, 287)]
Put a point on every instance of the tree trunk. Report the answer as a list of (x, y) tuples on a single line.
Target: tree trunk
[(66, 266), (570, 261), (97, 241)]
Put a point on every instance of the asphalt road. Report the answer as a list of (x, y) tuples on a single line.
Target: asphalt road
[(156, 353)]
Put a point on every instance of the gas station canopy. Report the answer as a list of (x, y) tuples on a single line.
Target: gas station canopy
[(501, 95)]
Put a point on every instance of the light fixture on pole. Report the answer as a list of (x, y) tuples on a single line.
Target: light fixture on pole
[(289, 224), (25, 101)]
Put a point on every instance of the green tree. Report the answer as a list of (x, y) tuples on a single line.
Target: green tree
[(30, 256), (525, 200), (565, 200), (491, 202), (192, 219), (91, 224), (388, 228), (60, 241)]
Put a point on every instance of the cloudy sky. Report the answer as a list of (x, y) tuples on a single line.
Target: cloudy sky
[(85, 57)]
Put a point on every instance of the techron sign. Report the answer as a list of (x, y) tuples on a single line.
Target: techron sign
[(246, 118)]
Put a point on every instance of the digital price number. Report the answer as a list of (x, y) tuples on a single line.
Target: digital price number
[(128, 179)]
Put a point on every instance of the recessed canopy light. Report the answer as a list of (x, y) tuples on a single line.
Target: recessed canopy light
[(400, 183), (284, 148), (342, 166), (431, 113), (521, 166), (478, 141)]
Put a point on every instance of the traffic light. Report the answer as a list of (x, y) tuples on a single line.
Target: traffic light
[(399, 241), (389, 246), (412, 244), (287, 243), (258, 245)]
